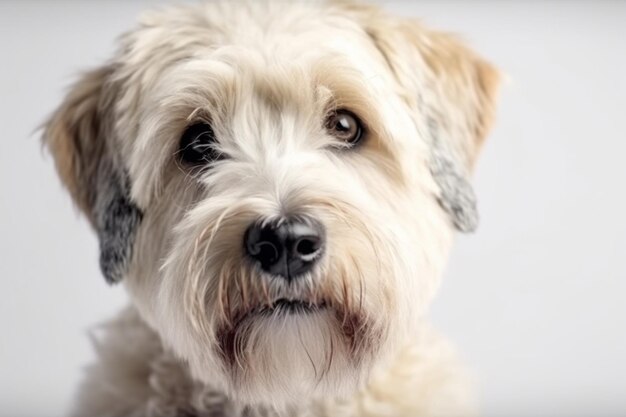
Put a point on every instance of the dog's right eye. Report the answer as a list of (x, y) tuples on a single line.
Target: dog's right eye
[(197, 145)]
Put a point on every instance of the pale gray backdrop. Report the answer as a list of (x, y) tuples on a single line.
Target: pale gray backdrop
[(534, 300)]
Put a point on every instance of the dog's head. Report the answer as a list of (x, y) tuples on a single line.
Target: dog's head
[(277, 184)]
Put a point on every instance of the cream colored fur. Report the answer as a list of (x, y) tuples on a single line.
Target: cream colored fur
[(265, 74), (135, 376)]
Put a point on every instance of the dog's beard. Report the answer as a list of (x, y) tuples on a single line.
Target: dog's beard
[(264, 320), (291, 338), (270, 337)]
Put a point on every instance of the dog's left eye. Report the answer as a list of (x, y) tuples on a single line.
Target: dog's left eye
[(344, 125), (197, 145)]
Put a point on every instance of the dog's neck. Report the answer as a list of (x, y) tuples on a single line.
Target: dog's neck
[(136, 376)]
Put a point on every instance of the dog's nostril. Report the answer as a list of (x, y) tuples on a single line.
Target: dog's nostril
[(263, 245), (287, 249), (266, 252), (307, 246)]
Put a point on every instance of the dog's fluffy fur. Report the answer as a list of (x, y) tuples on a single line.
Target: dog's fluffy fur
[(265, 75)]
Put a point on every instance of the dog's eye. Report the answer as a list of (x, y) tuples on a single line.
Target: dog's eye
[(197, 145), (344, 125)]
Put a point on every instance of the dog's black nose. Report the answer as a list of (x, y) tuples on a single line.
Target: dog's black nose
[(287, 248)]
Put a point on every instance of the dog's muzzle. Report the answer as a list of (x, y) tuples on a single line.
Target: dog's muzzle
[(285, 248)]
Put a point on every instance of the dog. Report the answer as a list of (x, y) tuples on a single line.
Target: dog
[(277, 186)]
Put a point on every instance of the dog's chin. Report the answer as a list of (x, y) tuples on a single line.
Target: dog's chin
[(293, 348), (266, 322)]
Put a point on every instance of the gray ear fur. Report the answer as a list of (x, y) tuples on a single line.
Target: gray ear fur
[(80, 138), (458, 106), (116, 223), (456, 195)]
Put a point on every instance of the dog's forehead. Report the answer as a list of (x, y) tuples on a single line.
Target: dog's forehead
[(253, 37), (297, 58), (278, 30)]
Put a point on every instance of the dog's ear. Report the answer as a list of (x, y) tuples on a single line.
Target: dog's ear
[(451, 91), (80, 136), (459, 116)]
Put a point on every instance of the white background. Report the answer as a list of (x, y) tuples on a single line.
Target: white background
[(534, 300)]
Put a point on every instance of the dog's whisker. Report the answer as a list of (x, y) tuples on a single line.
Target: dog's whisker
[(345, 298), (266, 294), (306, 350), (223, 297), (329, 357), (243, 280), (361, 281)]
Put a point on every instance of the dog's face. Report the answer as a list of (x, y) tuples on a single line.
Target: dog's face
[(277, 184)]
